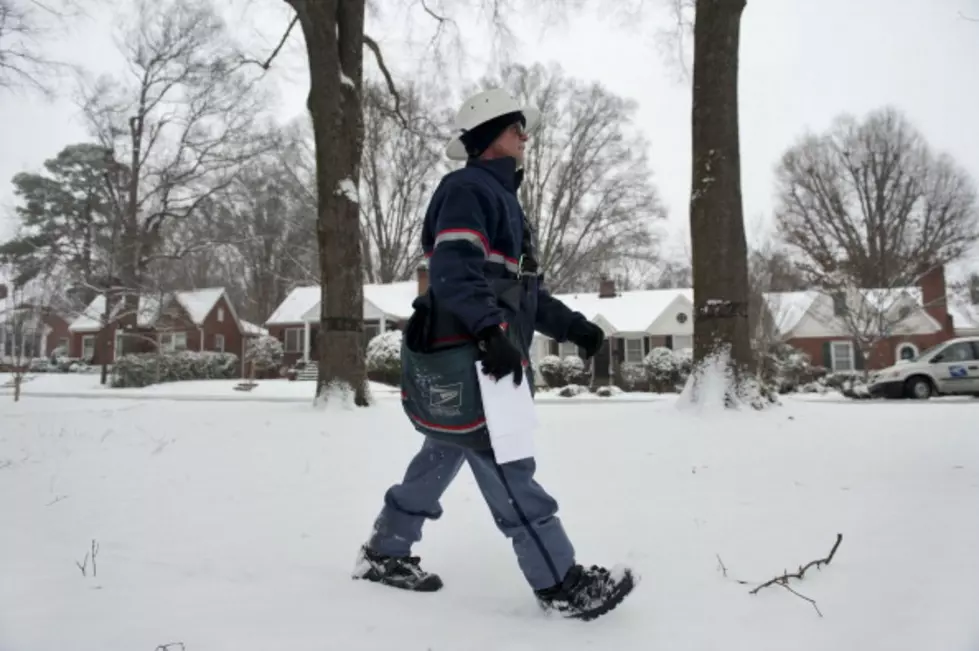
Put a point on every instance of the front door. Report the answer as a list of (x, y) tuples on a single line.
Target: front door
[(957, 368), (601, 363)]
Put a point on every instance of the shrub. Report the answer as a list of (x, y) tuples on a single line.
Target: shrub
[(552, 371), (383, 358), (144, 369), (573, 369), (631, 376), (264, 353)]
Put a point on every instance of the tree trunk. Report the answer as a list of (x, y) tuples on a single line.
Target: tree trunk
[(334, 32), (720, 266)]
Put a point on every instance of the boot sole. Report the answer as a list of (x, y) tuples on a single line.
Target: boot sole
[(622, 591), (431, 583)]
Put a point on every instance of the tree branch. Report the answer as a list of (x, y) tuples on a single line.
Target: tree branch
[(265, 65), (388, 79)]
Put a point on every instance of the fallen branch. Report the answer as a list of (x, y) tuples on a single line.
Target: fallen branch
[(56, 500), (166, 647), (784, 578)]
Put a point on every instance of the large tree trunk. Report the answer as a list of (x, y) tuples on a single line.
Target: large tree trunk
[(720, 266), (334, 32)]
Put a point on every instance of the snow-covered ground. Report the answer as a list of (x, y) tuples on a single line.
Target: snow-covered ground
[(235, 525), (86, 385)]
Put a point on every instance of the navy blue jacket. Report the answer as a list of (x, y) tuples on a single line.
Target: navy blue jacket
[(474, 234)]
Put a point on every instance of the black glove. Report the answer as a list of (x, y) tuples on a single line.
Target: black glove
[(585, 334), (498, 355)]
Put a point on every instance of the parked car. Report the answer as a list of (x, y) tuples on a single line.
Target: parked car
[(949, 368)]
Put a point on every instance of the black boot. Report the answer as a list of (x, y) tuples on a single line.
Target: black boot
[(396, 571), (587, 594)]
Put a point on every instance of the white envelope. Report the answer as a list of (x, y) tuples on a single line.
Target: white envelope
[(510, 416)]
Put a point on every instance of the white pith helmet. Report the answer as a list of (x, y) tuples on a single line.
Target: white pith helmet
[(483, 107)]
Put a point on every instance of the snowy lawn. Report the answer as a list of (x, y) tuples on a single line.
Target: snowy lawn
[(235, 526), (86, 385)]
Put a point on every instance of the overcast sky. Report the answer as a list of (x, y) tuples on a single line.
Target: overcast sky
[(802, 64)]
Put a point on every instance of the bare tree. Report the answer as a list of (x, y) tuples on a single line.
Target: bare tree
[(400, 169), (720, 267), (870, 205), (178, 130), (588, 189), (24, 310), (25, 27)]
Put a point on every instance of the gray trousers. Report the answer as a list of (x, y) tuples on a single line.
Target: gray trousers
[(522, 509)]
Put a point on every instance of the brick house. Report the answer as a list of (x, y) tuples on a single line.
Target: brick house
[(634, 322), (901, 322), (31, 331), (198, 320), (295, 322)]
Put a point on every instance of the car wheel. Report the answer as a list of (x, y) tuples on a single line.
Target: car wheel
[(918, 388)]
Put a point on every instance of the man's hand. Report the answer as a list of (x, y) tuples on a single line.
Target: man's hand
[(585, 334), (498, 355)]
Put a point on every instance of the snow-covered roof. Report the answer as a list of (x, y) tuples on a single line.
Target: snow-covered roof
[(629, 311), (250, 329), (299, 301), (197, 303), (392, 299), (965, 316), (884, 299), (789, 308), (91, 317)]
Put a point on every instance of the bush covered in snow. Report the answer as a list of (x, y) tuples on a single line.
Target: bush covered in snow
[(572, 390), (264, 353), (607, 391), (559, 372), (144, 369), (573, 368), (631, 376), (667, 369), (788, 368), (552, 371), (384, 358)]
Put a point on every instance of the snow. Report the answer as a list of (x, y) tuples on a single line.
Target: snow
[(346, 81), (250, 329), (391, 299), (965, 315), (789, 308), (236, 527), (633, 311), (197, 303), (348, 189)]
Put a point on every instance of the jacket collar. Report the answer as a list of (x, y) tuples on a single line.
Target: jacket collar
[(504, 170)]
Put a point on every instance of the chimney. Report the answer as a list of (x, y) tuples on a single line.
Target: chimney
[(606, 288), (933, 296), (422, 275)]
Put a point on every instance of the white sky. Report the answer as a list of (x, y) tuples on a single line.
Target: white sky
[(802, 64)]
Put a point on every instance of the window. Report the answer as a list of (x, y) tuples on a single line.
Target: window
[(960, 352), (906, 352), (88, 347), (119, 345), (293, 340), (171, 341), (220, 316), (219, 343), (841, 354), (633, 351), (680, 342), (566, 349)]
